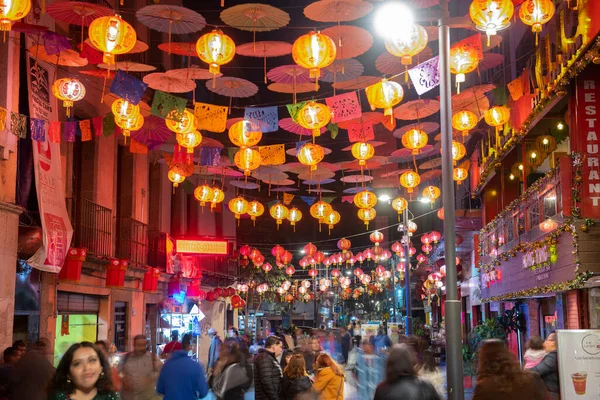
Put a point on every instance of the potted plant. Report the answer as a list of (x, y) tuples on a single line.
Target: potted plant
[(468, 367)]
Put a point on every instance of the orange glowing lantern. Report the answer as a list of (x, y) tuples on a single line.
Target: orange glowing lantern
[(311, 154), (411, 227), (367, 215), (215, 49), (497, 116), (130, 124), (376, 237), (314, 116), (440, 214), (344, 245), (365, 199), (238, 206), (536, 13), (112, 35), (255, 210), (458, 151), (464, 121), (279, 212), (491, 16), (203, 194), (69, 90), (176, 177), (247, 159), (399, 204), (314, 51), (190, 140), (294, 216), (415, 139), (410, 180), (217, 197), (123, 109), (462, 61), (432, 193), (459, 175), (181, 122), (331, 219), (545, 144), (12, 11), (320, 210), (241, 134), (408, 43), (384, 94), (362, 151)]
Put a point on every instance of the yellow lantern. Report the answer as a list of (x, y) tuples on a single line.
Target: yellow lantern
[(215, 49), (311, 154), (365, 199), (399, 204), (545, 144), (255, 209), (458, 151), (460, 174), (203, 194), (536, 13), (497, 116), (410, 180), (314, 51), (362, 151), (181, 122), (384, 94), (189, 140), (175, 177), (491, 16), (247, 159), (408, 43), (464, 121), (320, 210), (432, 193), (130, 124), (238, 206), (414, 139), (279, 212), (314, 116), (69, 90), (534, 158), (112, 35), (294, 216), (462, 61), (217, 197), (367, 215), (242, 135), (331, 219), (123, 109), (12, 10)]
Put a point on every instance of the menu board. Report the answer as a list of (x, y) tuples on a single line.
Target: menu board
[(579, 363)]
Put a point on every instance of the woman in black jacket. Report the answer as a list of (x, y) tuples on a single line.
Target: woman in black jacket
[(295, 378), (401, 381), (232, 375), (548, 367)]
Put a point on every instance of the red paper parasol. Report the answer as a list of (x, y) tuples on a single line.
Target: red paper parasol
[(389, 64), (417, 109), (98, 73), (232, 87), (393, 173), (28, 28), (128, 66), (267, 176), (284, 189), (280, 182), (255, 17), (473, 99), (170, 19), (351, 41), (431, 164), (359, 83), (163, 82), (139, 47), (187, 49), (342, 71), (356, 178), (406, 154), (153, 133), (432, 174), (289, 125), (67, 58), (264, 50), (337, 10), (428, 127), (77, 13), (232, 121), (490, 60), (194, 73)]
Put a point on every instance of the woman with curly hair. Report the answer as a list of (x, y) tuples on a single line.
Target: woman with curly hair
[(83, 374), (500, 376)]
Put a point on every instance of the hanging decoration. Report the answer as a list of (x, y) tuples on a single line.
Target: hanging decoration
[(459, 175), (203, 194), (215, 49), (536, 13), (176, 177), (247, 159), (363, 152), (410, 180), (365, 199), (243, 135), (217, 198), (463, 59), (279, 212), (415, 140), (183, 122), (294, 216), (399, 204), (410, 42), (190, 140), (458, 151), (331, 219), (130, 124), (545, 144), (320, 210), (432, 193), (497, 117), (313, 116), (238, 206), (255, 210), (464, 121), (69, 90), (311, 154), (13, 11), (491, 16), (314, 51), (367, 215), (112, 35), (385, 94), (123, 109)]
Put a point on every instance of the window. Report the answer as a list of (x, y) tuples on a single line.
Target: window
[(534, 215), (510, 229), (120, 326), (550, 204)]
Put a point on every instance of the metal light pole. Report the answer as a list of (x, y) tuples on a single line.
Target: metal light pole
[(454, 365), (394, 304), (407, 294)]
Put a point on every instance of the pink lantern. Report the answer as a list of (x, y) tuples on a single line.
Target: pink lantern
[(287, 257), (290, 270), (335, 272), (344, 244), (360, 257), (303, 262), (435, 236), (323, 288), (245, 250), (376, 237), (365, 279), (358, 272), (327, 262), (306, 283), (400, 267), (279, 264), (310, 249), (277, 251), (351, 261), (280, 290), (387, 274), (368, 254), (435, 276), (421, 258), (412, 251), (302, 289), (427, 248), (339, 258), (426, 239), (313, 272), (397, 248), (253, 254), (267, 267), (259, 259), (380, 270), (319, 257)]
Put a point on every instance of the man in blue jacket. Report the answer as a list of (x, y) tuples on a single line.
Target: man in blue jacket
[(181, 378)]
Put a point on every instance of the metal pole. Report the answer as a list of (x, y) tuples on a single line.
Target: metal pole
[(454, 366), (394, 304), (407, 295), (316, 311)]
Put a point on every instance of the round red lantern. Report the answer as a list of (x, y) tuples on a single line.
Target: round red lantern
[(290, 270), (335, 272), (397, 248), (427, 248), (313, 272), (440, 214), (358, 272), (344, 244), (319, 257), (421, 258), (211, 296), (218, 291), (310, 249), (267, 267), (287, 257), (380, 270), (245, 251), (435, 236), (376, 237), (277, 251)]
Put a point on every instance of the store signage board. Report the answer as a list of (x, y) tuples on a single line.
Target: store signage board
[(201, 247), (579, 363)]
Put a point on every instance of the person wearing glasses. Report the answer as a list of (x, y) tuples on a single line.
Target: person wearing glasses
[(267, 374)]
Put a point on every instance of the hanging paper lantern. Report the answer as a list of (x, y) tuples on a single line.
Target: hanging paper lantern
[(203, 194), (319, 257), (427, 248), (130, 124), (459, 175), (367, 215), (440, 214), (181, 122), (411, 226), (421, 258), (415, 139), (358, 272), (215, 49), (426, 239), (311, 154), (410, 180), (335, 272), (303, 262), (314, 51), (397, 248), (313, 272), (497, 116), (13, 11), (190, 140), (255, 209), (384, 94), (267, 267), (279, 212), (112, 35), (69, 90), (310, 249), (462, 61), (286, 258), (175, 177), (344, 245), (294, 216), (458, 151), (241, 134), (123, 109), (277, 251), (314, 116), (536, 13), (368, 254), (331, 219), (238, 206), (545, 144), (464, 121), (534, 158), (218, 197), (320, 210), (435, 236), (491, 16), (247, 159), (365, 199), (363, 151), (410, 42), (432, 193), (399, 204), (376, 237)]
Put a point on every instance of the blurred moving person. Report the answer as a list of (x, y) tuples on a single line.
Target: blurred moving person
[(232, 375), (535, 352), (330, 378), (140, 370), (33, 373), (267, 371), (548, 367)]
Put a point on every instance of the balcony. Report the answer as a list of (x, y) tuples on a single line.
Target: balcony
[(132, 241), (93, 226)]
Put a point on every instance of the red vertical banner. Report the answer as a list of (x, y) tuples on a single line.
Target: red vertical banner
[(566, 177), (587, 128)]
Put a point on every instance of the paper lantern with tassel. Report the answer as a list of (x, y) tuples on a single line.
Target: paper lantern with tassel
[(491, 16), (241, 134), (255, 210), (458, 151), (294, 216), (432, 193), (331, 219), (130, 124), (415, 140), (320, 210), (367, 215), (215, 49), (123, 109), (181, 122), (311, 154), (399, 204), (13, 10), (459, 175), (365, 199), (384, 94), (247, 159), (238, 206), (69, 90), (314, 116), (536, 13), (462, 61), (464, 121), (176, 177), (363, 152), (279, 212), (314, 51), (190, 140), (410, 180), (497, 116), (545, 144), (217, 198), (112, 35), (408, 44), (203, 194)]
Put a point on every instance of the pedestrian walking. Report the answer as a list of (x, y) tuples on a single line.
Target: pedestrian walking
[(10, 358), (548, 367), (140, 370), (173, 346), (83, 373), (535, 352), (295, 378), (346, 343), (114, 371), (500, 376), (33, 373), (213, 349), (182, 378), (232, 375), (330, 378), (429, 371), (267, 373)]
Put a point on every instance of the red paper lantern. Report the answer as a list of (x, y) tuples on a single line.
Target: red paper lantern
[(310, 249), (427, 248), (421, 258), (267, 267), (290, 270), (286, 258), (344, 244), (253, 254), (440, 214), (115, 273), (218, 291), (201, 295), (277, 251), (319, 257), (244, 262), (335, 272), (211, 296), (397, 248), (380, 270), (71, 270), (376, 237), (174, 286), (150, 282), (435, 236), (245, 251), (426, 239), (236, 301), (313, 272)]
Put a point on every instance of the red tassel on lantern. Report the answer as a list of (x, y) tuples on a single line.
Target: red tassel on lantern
[(150, 282), (115, 273), (71, 270)]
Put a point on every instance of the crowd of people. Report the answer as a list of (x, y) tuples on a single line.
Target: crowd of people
[(310, 365)]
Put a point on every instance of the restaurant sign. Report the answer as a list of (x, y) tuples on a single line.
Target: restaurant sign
[(202, 247)]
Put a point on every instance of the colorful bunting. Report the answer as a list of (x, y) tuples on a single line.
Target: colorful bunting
[(328, 199), (137, 147), (272, 155), (344, 107), (425, 76), (334, 129), (293, 109), (266, 119), (38, 129), (210, 117), (163, 103), (70, 131), (309, 199), (128, 87), (86, 130), (18, 125), (361, 132), (97, 124), (108, 125), (231, 153), (210, 156), (54, 131), (287, 198), (348, 199)]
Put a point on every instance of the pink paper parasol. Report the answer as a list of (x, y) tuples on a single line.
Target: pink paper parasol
[(389, 64), (417, 109), (264, 50), (320, 191), (428, 127), (356, 178), (351, 41), (67, 58), (320, 172), (473, 99), (289, 74), (171, 19), (432, 174), (255, 17), (342, 70), (292, 89), (138, 47), (218, 170), (337, 10), (77, 13), (153, 133), (128, 66), (289, 125), (233, 87), (163, 82), (406, 154), (193, 73), (98, 73), (245, 185), (436, 162), (284, 189), (373, 116), (490, 60)]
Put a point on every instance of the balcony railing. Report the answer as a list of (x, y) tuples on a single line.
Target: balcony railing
[(93, 228), (132, 240), (157, 256), (531, 216)]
